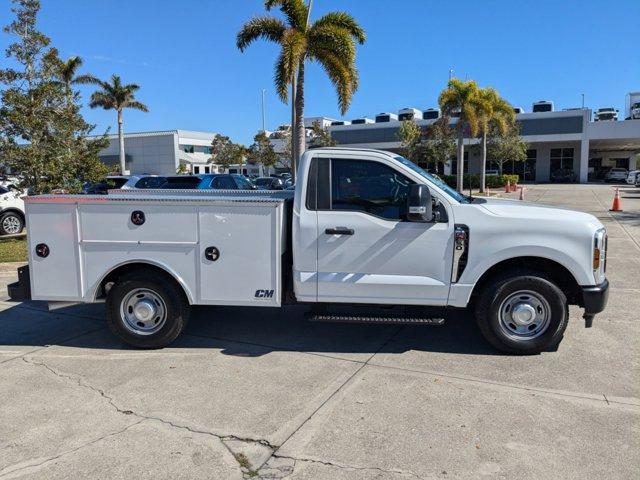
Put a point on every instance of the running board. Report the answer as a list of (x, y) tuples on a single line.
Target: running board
[(375, 319)]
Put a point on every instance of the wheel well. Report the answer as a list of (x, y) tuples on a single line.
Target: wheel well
[(556, 272), (152, 271), (14, 210)]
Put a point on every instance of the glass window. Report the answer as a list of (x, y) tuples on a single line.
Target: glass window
[(207, 150), (151, 182), (3, 191), (243, 183), (369, 187), (223, 183), (188, 148), (196, 169)]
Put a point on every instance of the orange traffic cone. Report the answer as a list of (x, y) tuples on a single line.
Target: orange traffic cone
[(521, 193), (507, 187), (617, 205)]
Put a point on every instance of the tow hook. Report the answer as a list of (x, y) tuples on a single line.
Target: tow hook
[(588, 320)]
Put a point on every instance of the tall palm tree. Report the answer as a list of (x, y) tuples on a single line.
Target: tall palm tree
[(494, 113), (330, 41), (116, 96), (461, 98)]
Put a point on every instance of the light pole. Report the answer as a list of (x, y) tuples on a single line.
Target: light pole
[(264, 121), (450, 74)]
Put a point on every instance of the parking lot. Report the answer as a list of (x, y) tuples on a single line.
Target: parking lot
[(256, 393)]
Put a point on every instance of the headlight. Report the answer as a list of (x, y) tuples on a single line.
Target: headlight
[(600, 241)]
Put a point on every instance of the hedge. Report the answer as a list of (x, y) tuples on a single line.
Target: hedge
[(492, 181)]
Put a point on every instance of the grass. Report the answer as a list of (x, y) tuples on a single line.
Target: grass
[(13, 249)]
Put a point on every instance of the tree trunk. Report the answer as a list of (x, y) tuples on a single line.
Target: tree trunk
[(121, 142), (483, 164), (292, 135), (299, 131), (460, 166)]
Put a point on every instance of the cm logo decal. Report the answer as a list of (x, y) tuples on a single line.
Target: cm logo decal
[(264, 293)]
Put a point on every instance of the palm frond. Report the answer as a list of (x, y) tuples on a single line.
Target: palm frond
[(344, 21), (267, 28), (101, 100), (295, 11), (343, 76), (336, 39), (135, 105), (89, 80), (282, 78)]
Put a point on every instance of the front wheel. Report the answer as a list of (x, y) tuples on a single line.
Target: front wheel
[(522, 313), (146, 310)]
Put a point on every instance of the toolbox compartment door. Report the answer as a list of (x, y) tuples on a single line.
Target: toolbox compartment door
[(248, 239)]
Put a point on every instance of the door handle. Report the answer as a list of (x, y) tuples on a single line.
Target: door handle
[(339, 231)]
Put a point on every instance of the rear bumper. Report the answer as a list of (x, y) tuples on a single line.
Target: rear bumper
[(594, 298), (21, 290)]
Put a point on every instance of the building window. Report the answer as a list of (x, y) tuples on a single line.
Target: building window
[(561, 159), (188, 148), (196, 169), (207, 169)]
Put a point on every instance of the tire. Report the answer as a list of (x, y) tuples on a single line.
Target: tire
[(161, 309), (522, 313), (11, 223)]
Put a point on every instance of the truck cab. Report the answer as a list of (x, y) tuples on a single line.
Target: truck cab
[(362, 227)]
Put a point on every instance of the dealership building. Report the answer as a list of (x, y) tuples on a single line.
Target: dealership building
[(558, 140), (162, 152)]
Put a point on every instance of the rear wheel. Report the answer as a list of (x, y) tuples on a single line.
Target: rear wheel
[(147, 310), (11, 223), (522, 313)]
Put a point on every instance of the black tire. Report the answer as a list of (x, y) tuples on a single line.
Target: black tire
[(168, 292), (502, 288), (17, 220)]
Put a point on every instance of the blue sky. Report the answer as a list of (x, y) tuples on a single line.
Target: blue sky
[(183, 55)]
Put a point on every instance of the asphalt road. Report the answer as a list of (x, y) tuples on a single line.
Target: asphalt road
[(260, 393)]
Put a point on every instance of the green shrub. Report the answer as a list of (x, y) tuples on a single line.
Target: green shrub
[(492, 181)]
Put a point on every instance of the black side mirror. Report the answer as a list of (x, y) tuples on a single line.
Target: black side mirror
[(419, 206)]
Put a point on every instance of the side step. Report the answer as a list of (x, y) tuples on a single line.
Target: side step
[(396, 320)]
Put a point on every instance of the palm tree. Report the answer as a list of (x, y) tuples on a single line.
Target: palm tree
[(330, 41), (461, 98), (494, 114), (115, 96)]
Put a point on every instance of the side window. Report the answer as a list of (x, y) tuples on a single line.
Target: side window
[(370, 187), (224, 183)]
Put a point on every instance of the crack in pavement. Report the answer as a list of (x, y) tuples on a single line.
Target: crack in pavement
[(79, 382), (21, 467)]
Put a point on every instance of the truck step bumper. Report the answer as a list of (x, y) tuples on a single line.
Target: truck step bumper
[(397, 320), (20, 291)]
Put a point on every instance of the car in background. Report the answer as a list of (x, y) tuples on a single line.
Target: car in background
[(216, 181), (616, 175), (226, 181), (632, 176), (270, 183), (11, 210), (144, 181), (109, 183), (563, 175)]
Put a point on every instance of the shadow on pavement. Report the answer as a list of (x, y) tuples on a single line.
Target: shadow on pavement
[(245, 331)]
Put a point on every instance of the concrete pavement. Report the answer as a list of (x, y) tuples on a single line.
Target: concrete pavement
[(263, 394)]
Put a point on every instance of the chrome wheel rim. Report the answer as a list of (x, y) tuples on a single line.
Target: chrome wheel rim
[(11, 224), (143, 311), (524, 315)]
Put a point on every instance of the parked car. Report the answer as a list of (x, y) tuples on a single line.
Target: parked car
[(181, 182), (101, 188), (632, 176), (638, 180), (616, 175), (144, 181), (269, 183), (11, 210), (563, 175), (226, 181)]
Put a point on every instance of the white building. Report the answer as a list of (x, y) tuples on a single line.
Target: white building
[(162, 152)]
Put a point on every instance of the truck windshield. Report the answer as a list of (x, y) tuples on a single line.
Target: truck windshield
[(431, 179)]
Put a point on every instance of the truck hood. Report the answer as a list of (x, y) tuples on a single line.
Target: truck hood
[(520, 209)]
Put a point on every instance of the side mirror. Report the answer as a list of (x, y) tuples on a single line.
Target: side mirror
[(419, 204)]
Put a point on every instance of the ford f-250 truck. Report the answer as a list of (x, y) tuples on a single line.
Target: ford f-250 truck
[(363, 227)]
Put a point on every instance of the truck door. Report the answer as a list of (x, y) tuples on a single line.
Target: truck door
[(368, 252)]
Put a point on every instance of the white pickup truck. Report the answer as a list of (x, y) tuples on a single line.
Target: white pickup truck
[(363, 227)]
